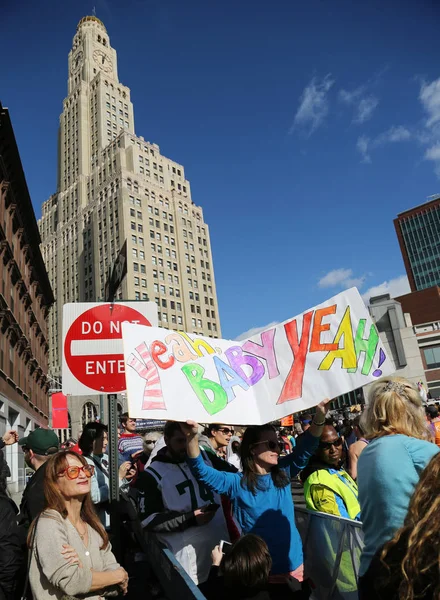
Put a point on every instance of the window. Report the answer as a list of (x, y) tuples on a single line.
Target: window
[(135, 267), (136, 281), (179, 320), (134, 239), (133, 225), (140, 228), (156, 287), (432, 357), (141, 254), (143, 269), (134, 252), (132, 212), (144, 283)]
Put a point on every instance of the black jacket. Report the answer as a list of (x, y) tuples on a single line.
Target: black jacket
[(382, 581), (33, 500), (11, 555), (150, 499)]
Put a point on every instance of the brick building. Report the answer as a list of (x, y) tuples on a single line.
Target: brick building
[(418, 233), (423, 306), (25, 299)]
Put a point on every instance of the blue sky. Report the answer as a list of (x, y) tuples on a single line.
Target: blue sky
[(304, 128)]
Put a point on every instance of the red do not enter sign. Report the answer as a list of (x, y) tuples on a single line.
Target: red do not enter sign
[(93, 352)]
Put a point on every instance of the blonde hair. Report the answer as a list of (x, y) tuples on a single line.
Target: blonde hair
[(395, 406)]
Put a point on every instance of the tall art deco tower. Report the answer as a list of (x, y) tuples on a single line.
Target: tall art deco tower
[(115, 186)]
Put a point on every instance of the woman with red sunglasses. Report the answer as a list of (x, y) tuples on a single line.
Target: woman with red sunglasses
[(261, 494), (70, 551)]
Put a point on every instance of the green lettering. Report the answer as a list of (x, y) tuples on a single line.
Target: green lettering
[(194, 373), (369, 346)]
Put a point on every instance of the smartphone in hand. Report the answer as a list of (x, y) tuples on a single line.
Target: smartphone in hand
[(225, 546), (211, 507)]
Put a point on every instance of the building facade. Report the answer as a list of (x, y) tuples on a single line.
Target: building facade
[(115, 186), (418, 232), (423, 306), (398, 337), (25, 299)]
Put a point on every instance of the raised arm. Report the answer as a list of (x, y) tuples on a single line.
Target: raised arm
[(220, 482), (307, 443)]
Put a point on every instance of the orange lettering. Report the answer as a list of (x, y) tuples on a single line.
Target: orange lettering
[(319, 327)]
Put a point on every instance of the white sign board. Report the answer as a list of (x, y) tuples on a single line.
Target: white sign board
[(327, 351), (93, 361)]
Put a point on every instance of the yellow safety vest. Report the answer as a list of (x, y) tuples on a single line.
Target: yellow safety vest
[(338, 482)]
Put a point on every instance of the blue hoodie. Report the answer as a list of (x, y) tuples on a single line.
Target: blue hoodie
[(269, 512)]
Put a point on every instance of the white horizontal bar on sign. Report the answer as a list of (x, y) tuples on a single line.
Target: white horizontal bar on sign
[(96, 347)]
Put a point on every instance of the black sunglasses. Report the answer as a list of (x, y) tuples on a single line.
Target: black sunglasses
[(328, 445), (270, 444), (226, 430)]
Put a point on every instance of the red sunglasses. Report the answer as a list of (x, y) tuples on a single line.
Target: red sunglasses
[(73, 472)]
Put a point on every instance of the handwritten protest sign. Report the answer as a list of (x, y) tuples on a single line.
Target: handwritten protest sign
[(327, 351)]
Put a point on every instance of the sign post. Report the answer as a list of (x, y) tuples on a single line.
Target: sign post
[(93, 364)]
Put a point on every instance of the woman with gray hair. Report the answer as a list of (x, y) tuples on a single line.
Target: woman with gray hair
[(390, 466)]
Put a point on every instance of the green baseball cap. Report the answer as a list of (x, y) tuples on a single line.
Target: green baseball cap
[(41, 441)]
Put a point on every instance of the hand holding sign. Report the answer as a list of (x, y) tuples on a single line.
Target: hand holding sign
[(190, 429)]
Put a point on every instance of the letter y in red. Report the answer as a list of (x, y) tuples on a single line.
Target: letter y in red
[(292, 388)]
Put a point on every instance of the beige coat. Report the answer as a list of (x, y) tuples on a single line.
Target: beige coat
[(50, 575)]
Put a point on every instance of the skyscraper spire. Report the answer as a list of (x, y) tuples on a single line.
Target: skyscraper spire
[(114, 186)]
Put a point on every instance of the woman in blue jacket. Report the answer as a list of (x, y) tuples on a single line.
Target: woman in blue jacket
[(390, 466), (261, 494)]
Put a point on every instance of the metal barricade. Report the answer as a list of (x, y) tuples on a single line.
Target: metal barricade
[(332, 549), (173, 579)]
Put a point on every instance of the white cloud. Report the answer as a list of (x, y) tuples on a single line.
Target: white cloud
[(364, 104), (254, 330), (313, 107), (365, 109), (394, 134), (433, 153), (350, 97), (341, 278), (362, 146), (365, 145), (393, 287), (430, 98)]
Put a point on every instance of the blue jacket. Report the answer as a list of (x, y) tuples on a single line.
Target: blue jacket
[(269, 513), (389, 469)]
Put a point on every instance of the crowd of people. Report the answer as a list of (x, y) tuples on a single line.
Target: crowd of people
[(220, 500)]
